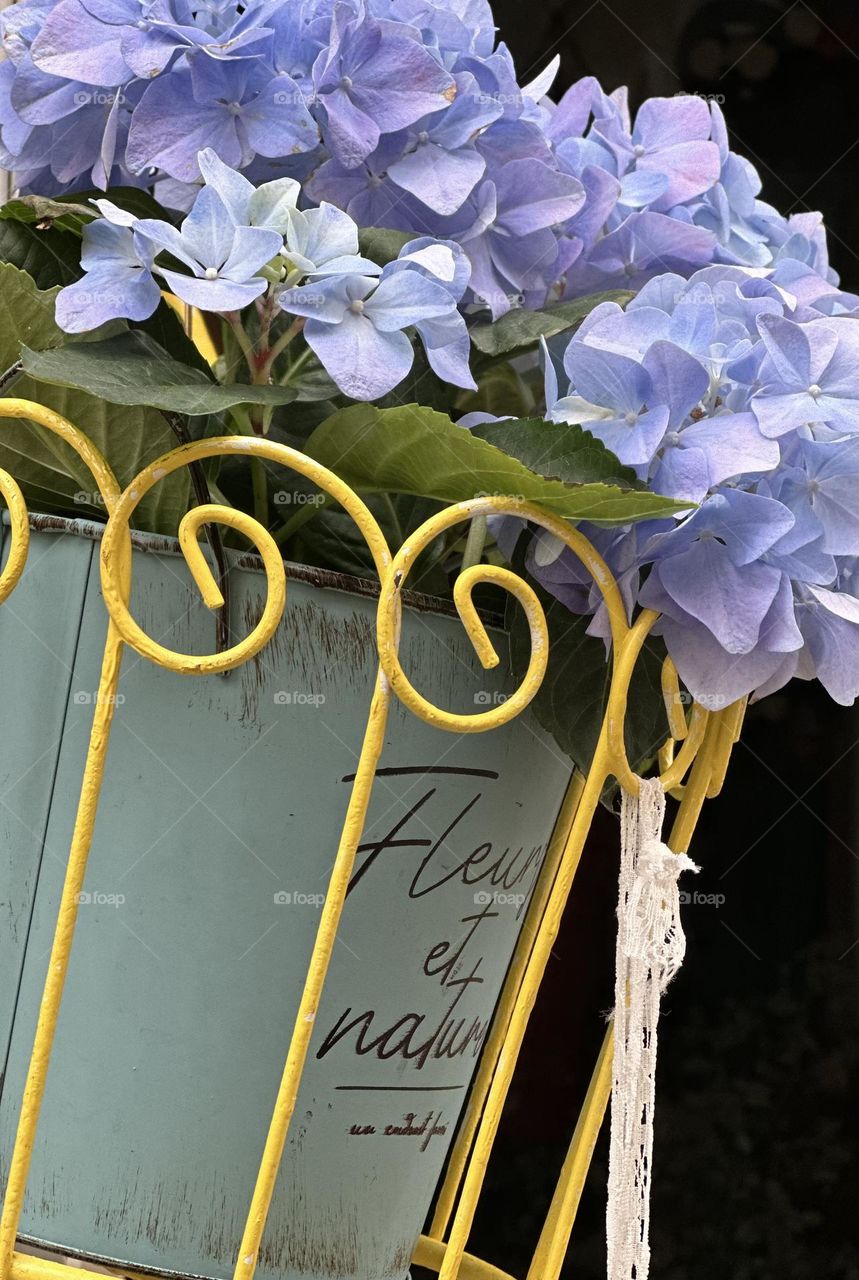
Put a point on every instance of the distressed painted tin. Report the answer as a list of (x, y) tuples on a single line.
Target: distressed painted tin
[(218, 824)]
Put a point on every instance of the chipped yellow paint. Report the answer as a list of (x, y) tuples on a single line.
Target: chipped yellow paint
[(704, 740)]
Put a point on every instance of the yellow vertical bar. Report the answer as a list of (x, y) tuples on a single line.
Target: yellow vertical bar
[(323, 946), (34, 1088), (58, 963), (521, 1013), (555, 1237), (512, 985)]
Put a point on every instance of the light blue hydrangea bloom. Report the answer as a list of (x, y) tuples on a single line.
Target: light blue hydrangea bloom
[(729, 392), (355, 323)]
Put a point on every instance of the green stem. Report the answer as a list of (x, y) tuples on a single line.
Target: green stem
[(235, 323), (260, 491), (281, 344), (297, 364), (395, 520), (266, 315), (474, 543)]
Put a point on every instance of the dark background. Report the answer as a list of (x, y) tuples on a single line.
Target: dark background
[(756, 1170)]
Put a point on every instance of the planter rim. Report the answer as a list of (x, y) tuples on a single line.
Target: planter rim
[(324, 579)]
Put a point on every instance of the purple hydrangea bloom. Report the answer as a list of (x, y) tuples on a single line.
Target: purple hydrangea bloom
[(711, 566), (445, 336), (729, 382), (810, 375), (75, 44), (668, 157), (710, 380), (224, 255), (239, 109), (508, 229), (440, 164), (373, 80), (829, 623), (403, 113)]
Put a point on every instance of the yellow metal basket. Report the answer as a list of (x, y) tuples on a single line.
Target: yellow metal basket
[(692, 764)]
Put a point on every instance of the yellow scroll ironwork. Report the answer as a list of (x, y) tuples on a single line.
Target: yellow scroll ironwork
[(693, 767)]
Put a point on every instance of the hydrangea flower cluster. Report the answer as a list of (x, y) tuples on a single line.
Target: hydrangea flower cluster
[(405, 114), (740, 393), (240, 242), (279, 127)]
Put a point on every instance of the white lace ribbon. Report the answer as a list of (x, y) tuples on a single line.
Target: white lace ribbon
[(650, 950)]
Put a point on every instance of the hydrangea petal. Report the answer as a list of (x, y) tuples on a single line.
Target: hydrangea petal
[(214, 295), (365, 363), (107, 293), (77, 46), (442, 179)]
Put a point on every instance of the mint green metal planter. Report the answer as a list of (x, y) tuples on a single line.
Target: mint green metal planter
[(220, 816)]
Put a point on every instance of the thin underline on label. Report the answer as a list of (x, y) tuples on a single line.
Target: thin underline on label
[(396, 771), (398, 1088)]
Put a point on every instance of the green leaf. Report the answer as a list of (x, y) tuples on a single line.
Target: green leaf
[(49, 471), (46, 213), (501, 391), (132, 369), (26, 315), (165, 328), (522, 328), (415, 450), (572, 699), (332, 540), (559, 451), (50, 256), (382, 245), (72, 212)]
